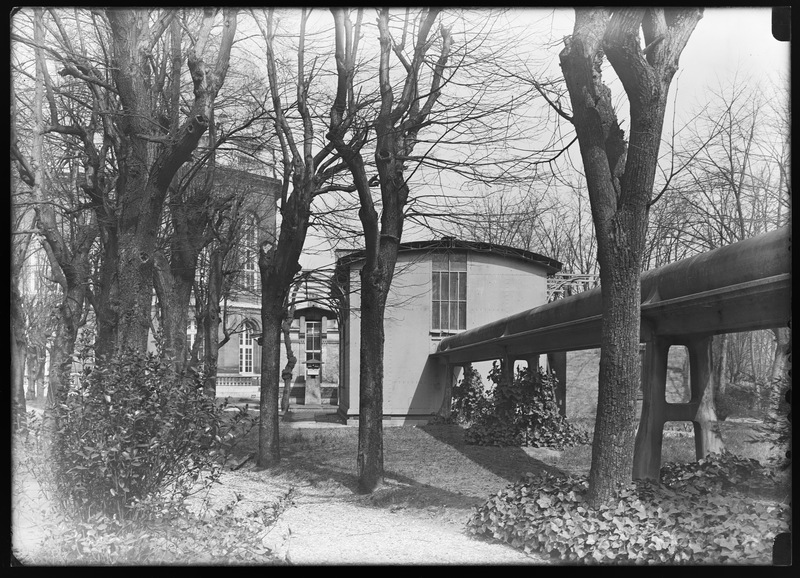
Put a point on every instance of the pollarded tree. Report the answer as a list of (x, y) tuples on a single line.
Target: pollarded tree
[(69, 234), (643, 45), (309, 167), (147, 161), (119, 102), (396, 126), (432, 111)]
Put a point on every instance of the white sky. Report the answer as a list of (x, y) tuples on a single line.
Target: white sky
[(727, 42)]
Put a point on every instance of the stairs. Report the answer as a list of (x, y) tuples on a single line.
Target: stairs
[(322, 413)]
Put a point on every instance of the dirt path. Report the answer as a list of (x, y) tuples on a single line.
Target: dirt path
[(325, 524)]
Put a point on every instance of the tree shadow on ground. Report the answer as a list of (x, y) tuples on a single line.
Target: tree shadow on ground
[(508, 462)]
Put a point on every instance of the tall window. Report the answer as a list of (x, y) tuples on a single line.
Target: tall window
[(449, 305), (246, 351), (250, 254), (313, 340)]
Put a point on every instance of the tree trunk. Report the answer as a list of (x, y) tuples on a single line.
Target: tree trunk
[(174, 283), (620, 179), (278, 264), (147, 170), (210, 319), (707, 435), (70, 312), (721, 362), (783, 336), (269, 451), (291, 361), (370, 411), (106, 304), (618, 383), (19, 351)]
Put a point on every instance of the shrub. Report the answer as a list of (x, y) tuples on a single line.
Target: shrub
[(177, 535), (131, 429), (644, 524), (469, 397), (523, 413)]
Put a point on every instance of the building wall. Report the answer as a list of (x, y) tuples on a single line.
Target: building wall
[(330, 353), (496, 287)]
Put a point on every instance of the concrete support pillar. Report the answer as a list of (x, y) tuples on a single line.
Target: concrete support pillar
[(656, 411), (649, 437), (533, 362), (558, 365), (451, 373), (707, 438)]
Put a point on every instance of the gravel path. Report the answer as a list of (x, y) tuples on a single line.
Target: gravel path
[(322, 529)]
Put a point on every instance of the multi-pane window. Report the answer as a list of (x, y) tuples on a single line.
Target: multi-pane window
[(313, 340), (449, 305), (250, 254), (246, 351)]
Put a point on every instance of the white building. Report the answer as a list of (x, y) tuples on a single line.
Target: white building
[(439, 288)]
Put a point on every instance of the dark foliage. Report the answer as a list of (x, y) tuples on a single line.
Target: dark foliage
[(700, 515), (522, 413)]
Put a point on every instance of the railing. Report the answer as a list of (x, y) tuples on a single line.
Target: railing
[(238, 380)]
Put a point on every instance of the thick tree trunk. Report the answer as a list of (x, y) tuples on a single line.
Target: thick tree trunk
[(147, 170), (620, 179), (106, 298), (269, 451), (173, 283), (618, 383), (70, 312), (278, 264), (370, 411), (707, 435)]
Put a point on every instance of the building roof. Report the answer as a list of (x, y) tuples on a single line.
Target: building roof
[(346, 258)]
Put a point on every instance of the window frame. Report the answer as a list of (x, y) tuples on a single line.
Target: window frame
[(246, 352), (448, 293)]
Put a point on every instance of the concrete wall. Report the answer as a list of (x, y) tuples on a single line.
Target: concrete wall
[(496, 287)]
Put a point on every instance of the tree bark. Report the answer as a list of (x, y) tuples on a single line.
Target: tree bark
[(370, 411), (291, 359), (620, 180), (19, 351), (210, 318), (145, 171), (278, 264)]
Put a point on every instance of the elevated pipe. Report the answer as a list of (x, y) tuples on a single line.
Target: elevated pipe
[(744, 286)]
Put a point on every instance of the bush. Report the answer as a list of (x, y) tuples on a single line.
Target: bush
[(469, 397), (524, 413), (693, 521), (129, 430)]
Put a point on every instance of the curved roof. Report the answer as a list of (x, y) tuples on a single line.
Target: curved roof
[(451, 243)]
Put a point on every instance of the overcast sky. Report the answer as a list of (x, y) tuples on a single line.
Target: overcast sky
[(726, 42)]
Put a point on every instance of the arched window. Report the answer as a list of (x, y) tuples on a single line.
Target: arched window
[(246, 351)]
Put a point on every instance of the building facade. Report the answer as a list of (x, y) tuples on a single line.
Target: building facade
[(439, 288)]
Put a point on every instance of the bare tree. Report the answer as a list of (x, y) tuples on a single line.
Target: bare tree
[(620, 176), (67, 238), (396, 124), (147, 164), (309, 168)]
